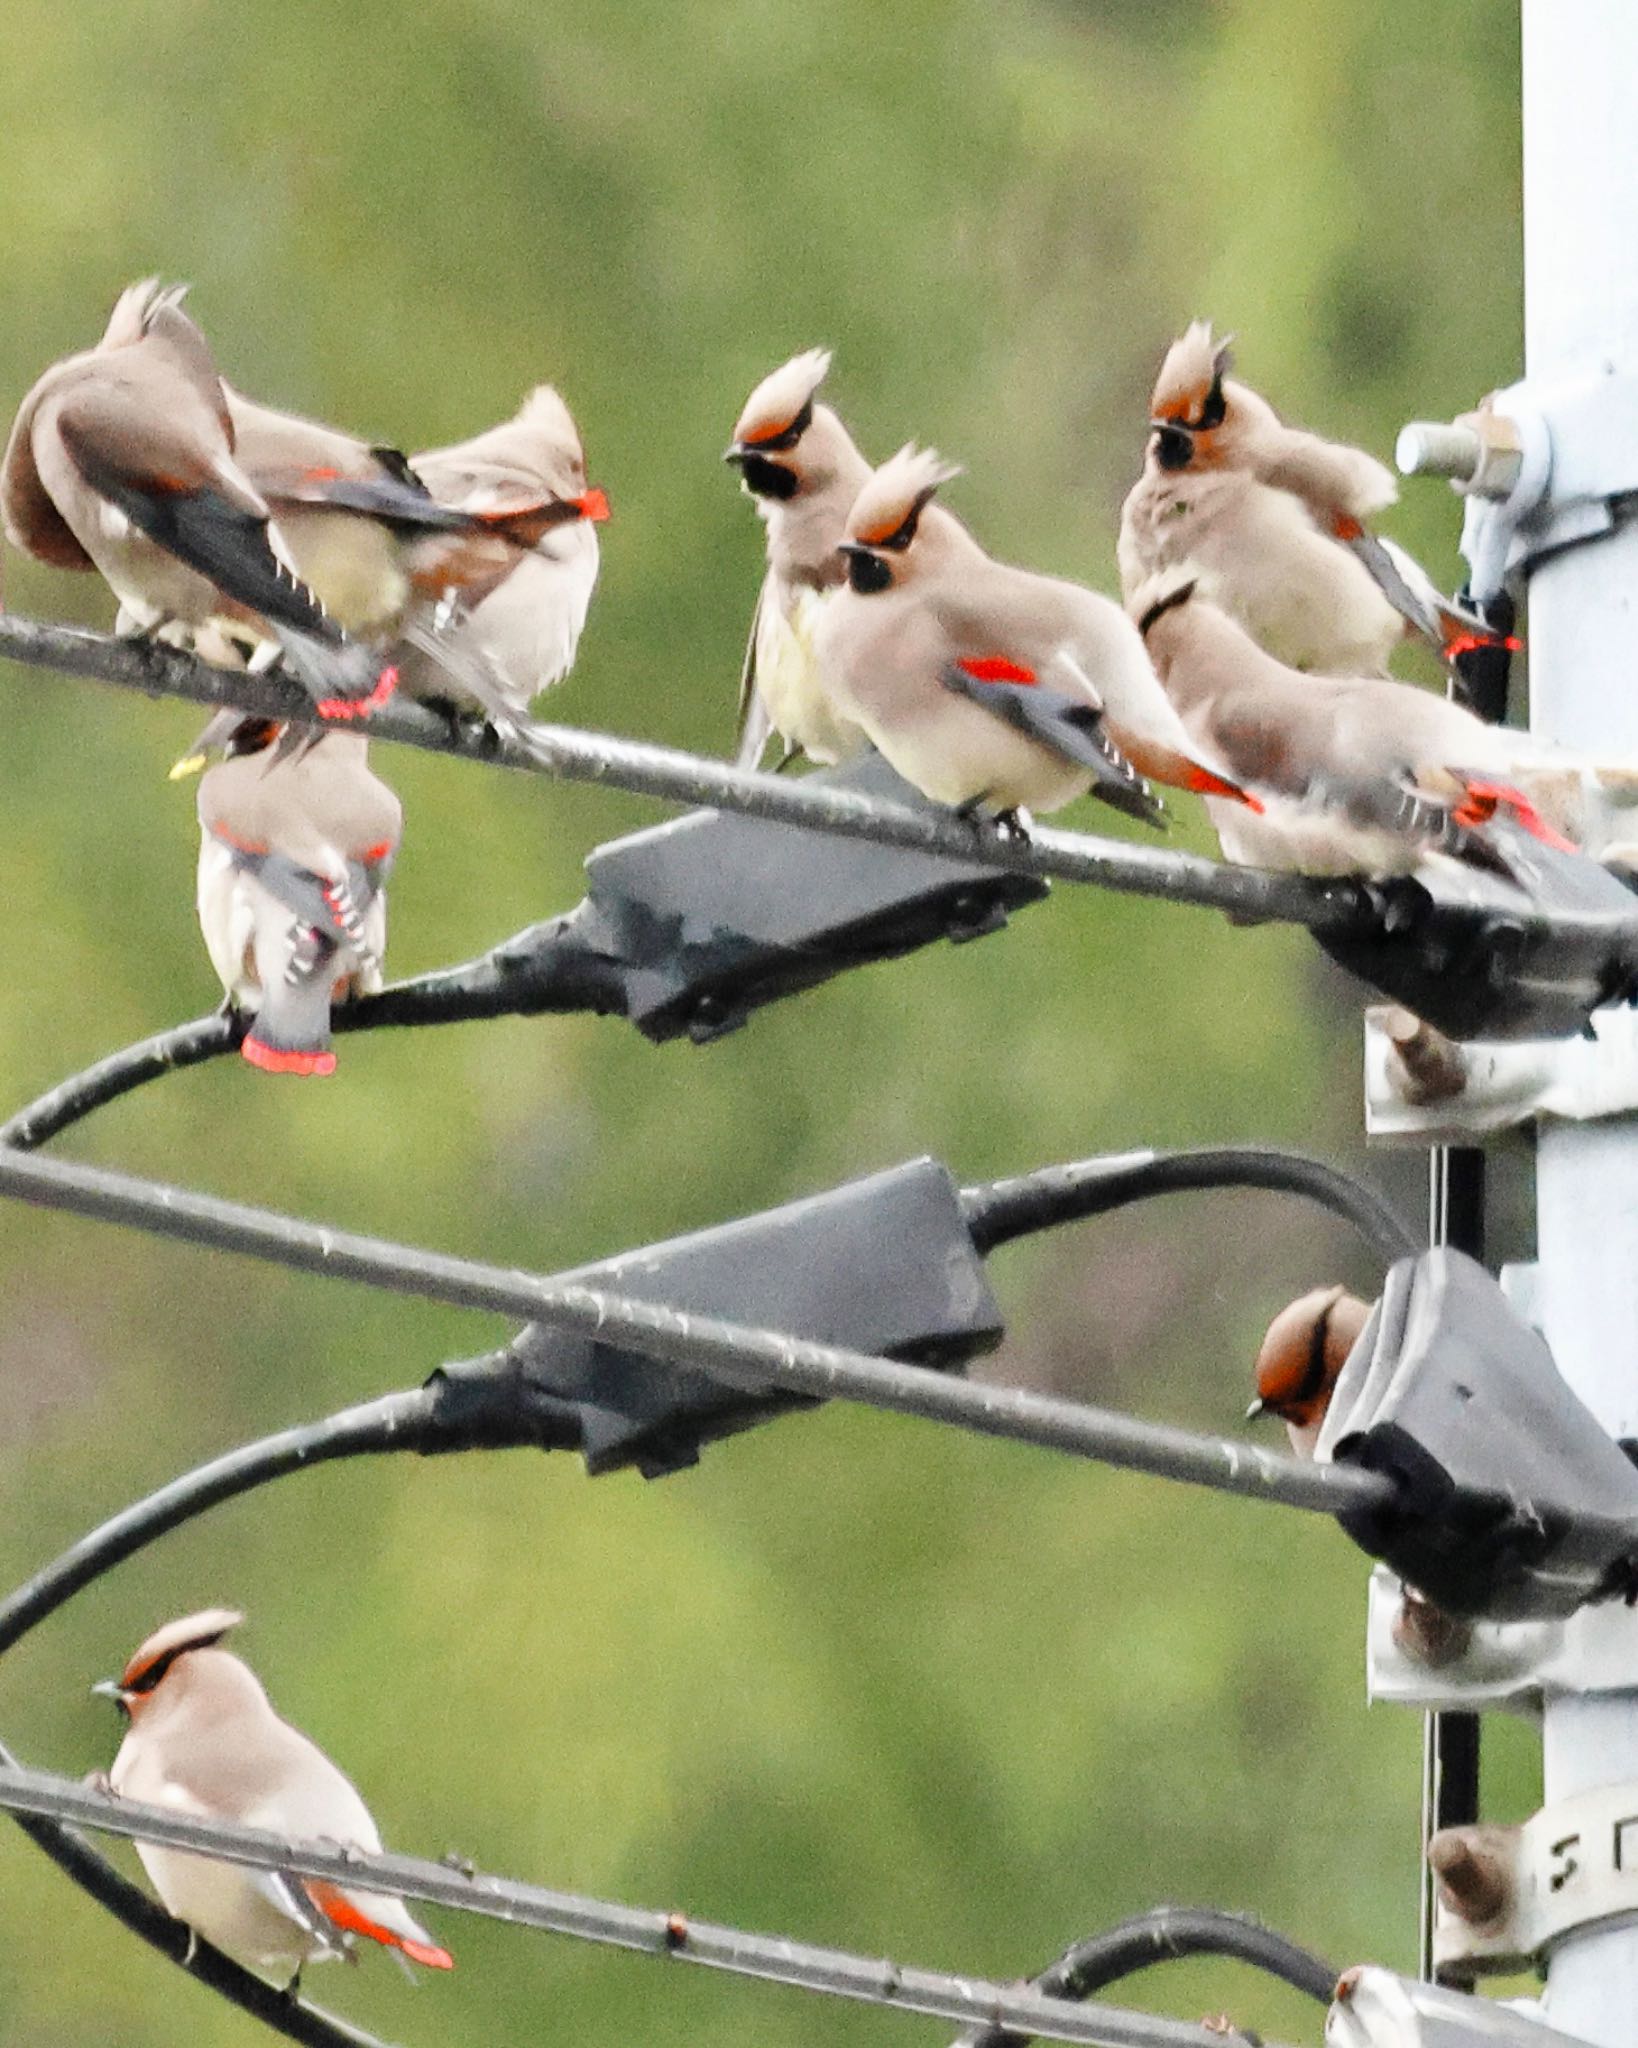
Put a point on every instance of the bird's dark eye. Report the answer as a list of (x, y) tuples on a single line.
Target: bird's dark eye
[(868, 573), (768, 479), (1174, 446)]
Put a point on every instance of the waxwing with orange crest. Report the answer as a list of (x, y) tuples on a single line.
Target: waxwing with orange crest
[(1273, 520), (124, 459), (203, 1739), (989, 686), (1360, 774), (510, 631), (799, 464), (1301, 1359)]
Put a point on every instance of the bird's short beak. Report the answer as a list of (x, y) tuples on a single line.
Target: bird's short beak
[(108, 1689), (853, 547), (593, 504), (736, 451), (1258, 1407)]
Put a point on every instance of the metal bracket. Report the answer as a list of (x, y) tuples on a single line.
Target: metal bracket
[(1541, 467), (1568, 1867), (1495, 1666), (1381, 2010), (1376, 2009), (1423, 1088)]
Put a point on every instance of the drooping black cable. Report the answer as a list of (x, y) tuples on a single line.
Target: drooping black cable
[(392, 1423), (167, 1052), (295, 2018), (550, 967), (1005, 1209), (1165, 1935)]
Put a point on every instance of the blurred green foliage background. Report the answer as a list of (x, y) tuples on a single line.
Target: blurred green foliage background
[(854, 1677)]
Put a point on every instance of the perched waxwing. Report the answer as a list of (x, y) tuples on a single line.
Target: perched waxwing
[(1357, 774), (1273, 520), (294, 854), (384, 556), (122, 459), (506, 629), (988, 685), (203, 1739), (799, 464), (1301, 1359)]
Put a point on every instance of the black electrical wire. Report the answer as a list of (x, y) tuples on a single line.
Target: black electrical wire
[(295, 2018), (167, 1052), (1333, 905), (1006, 1209), (395, 1422), (1167, 1934), (757, 1360), (676, 1937)]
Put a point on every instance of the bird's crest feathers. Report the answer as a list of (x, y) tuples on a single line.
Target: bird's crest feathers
[(545, 411), (1189, 389), (152, 1659), (779, 401), (894, 496), (138, 307)]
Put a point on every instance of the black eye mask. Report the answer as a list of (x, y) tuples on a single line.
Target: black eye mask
[(868, 573), (768, 479)]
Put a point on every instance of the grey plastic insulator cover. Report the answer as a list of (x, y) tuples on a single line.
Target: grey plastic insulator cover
[(715, 913), (1513, 1503), (882, 1265), (1478, 955)]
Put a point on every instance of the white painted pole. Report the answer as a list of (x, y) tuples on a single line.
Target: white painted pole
[(1581, 318)]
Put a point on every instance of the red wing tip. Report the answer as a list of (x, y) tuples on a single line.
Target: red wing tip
[(1204, 783), (594, 504), (1472, 643), (1484, 799), (360, 707), (995, 668), (275, 1060), (424, 1952)]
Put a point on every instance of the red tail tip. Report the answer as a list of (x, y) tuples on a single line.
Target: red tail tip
[(594, 504), (360, 707), (995, 668), (275, 1060), (336, 1906)]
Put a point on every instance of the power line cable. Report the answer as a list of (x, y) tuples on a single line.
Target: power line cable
[(755, 1359), (1003, 1210), (773, 1958), (1332, 905), (1167, 1934)]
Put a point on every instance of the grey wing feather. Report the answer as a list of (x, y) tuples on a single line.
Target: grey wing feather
[(1071, 728), (754, 722), (1411, 591)]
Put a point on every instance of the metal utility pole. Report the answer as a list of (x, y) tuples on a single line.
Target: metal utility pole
[(1581, 322)]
